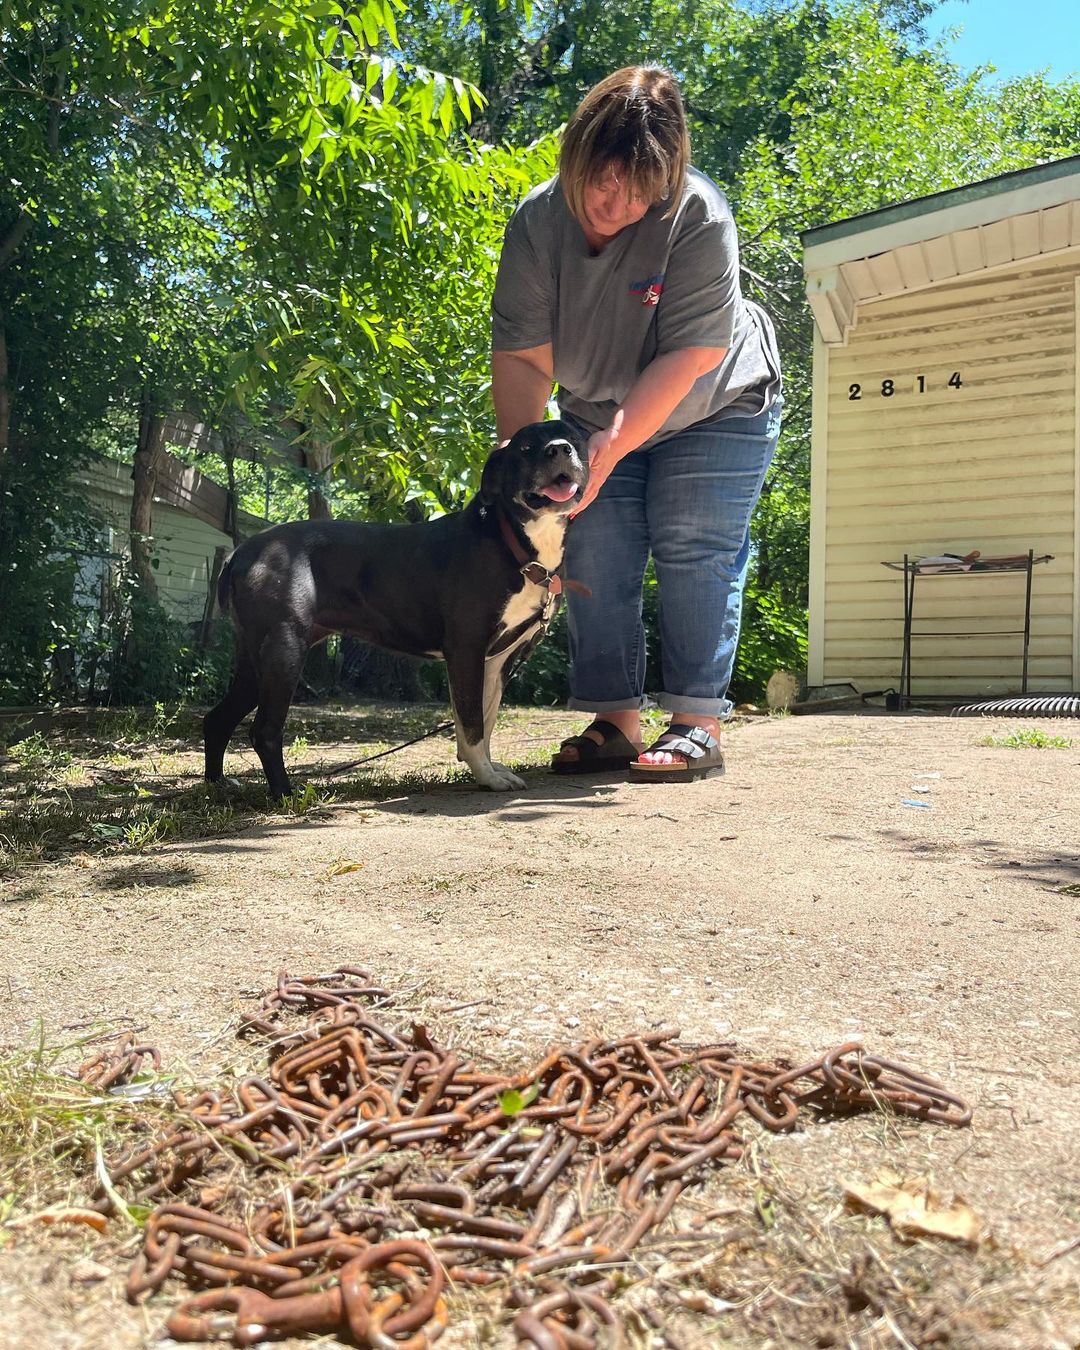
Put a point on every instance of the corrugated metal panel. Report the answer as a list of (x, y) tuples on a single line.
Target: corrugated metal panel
[(916, 466)]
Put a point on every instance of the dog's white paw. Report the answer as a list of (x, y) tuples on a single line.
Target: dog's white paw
[(500, 779)]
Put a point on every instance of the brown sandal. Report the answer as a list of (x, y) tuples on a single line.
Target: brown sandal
[(701, 751), (612, 755)]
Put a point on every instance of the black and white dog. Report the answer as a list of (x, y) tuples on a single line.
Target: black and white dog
[(472, 588)]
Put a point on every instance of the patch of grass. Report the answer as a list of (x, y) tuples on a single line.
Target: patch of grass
[(52, 1125), (44, 828), (138, 725), (1028, 738), (94, 782), (37, 757), (303, 801)]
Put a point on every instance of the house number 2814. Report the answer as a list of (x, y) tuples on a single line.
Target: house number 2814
[(888, 387)]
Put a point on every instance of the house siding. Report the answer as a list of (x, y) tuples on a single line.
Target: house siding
[(989, 466), (184, 546)]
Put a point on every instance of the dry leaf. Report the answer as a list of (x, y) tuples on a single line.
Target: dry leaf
[(915, 1209), (339, 869), (61, 1214)]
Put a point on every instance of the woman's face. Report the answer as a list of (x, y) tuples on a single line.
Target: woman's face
[(609, 207)]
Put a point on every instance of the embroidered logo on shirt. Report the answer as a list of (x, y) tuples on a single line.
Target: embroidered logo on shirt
[(649, 289)]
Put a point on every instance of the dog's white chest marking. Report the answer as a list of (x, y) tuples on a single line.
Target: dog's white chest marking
[(547, 534)]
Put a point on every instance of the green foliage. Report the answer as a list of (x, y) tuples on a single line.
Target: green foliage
[(37, 757), (250, 208), (773, 638), (302, 801), (512, 1102), (1028, 738)]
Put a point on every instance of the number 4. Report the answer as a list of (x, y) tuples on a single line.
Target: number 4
[(954, 380)]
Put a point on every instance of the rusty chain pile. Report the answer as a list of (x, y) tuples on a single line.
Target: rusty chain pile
[(117, 1063), (389, 1170)]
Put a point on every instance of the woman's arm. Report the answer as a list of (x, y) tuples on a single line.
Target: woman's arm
[(521, 384), (656, 393)]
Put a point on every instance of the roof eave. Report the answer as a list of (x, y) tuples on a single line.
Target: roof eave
[(925, 218)]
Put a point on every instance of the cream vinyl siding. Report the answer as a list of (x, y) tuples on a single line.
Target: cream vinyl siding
[(183, 545), (989, 466)]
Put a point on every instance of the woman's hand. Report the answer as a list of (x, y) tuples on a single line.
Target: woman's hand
[(603, 455)]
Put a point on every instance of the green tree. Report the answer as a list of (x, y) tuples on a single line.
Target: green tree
[(804, 111)]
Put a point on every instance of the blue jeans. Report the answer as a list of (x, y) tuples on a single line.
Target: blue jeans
[(688, 501)]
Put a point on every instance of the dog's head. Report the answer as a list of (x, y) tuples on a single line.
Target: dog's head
[(544, 469)]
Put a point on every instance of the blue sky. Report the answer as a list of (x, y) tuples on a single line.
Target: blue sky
[(1017, 36)]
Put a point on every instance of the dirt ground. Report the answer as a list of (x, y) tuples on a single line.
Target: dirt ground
[(796, 902)]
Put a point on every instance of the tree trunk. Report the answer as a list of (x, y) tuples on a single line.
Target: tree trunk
[(144, 477), (320, 669), (232, 506), (5, 399), (318, 459)]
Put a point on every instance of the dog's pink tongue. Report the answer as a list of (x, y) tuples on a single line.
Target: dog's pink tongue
[(560, 491)]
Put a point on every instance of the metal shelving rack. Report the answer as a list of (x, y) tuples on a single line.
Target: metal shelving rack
[(978, 568)]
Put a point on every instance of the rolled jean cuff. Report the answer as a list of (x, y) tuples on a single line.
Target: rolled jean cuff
[(720, 708), (615, 705)]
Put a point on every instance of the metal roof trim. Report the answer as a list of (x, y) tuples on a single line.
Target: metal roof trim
[(942, 201)]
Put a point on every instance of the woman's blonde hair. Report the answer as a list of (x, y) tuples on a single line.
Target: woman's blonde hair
[(632, 120)]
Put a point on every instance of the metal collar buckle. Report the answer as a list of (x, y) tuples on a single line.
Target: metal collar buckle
[(538, 574)]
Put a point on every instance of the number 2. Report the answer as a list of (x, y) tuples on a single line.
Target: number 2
[(854, 392)]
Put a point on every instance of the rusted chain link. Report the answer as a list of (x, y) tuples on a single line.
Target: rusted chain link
[(390, 1168), (117, 1064)]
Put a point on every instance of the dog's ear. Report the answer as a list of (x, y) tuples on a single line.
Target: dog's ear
[(493, 480)]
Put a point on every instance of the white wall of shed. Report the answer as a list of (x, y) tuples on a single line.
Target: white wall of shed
[(1076, 494), (819, 459), (994, 466)]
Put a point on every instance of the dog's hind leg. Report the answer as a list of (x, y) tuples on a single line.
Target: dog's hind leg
[(281, 659), (220, 722), (475, 691)]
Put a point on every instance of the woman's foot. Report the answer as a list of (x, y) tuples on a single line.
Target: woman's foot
[(661, 756), (684, 753), (617, 737)]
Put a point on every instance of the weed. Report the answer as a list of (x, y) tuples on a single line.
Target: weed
[(37, 758), (136, 725), (300, 746), (150, 830), (12, 731), (1028, 738), (302, 801)]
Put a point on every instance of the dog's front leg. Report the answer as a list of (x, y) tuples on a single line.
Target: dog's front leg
[(469, 676)]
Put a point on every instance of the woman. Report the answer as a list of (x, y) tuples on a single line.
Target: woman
[(619, 282)]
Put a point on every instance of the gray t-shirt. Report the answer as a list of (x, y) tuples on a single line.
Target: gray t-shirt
[(660, 285)]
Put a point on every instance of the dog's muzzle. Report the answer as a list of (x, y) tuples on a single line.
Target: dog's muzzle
[(561, 480)]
